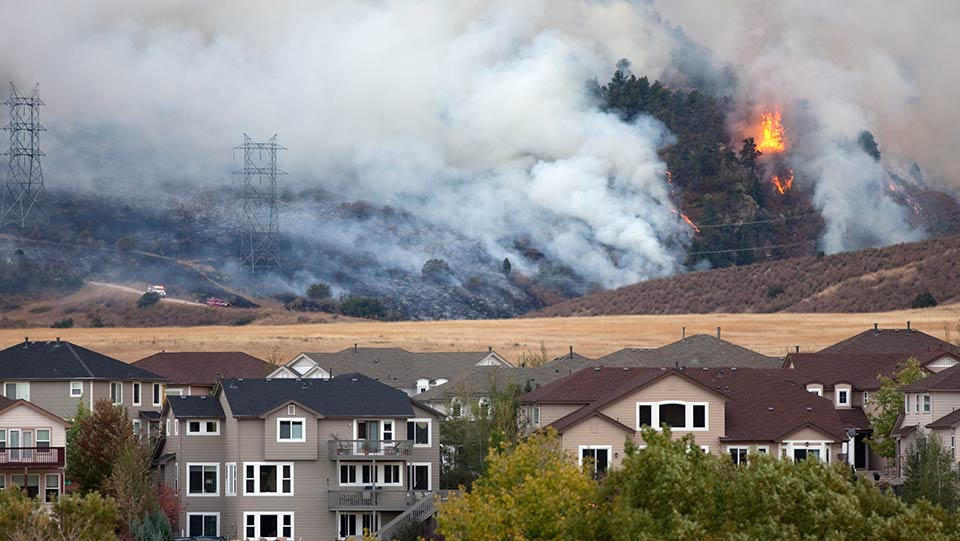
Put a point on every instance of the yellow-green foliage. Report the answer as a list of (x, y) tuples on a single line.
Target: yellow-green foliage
[(71, 518)]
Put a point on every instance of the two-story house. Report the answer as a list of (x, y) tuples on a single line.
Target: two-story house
[(58, 376), (931, 404), (197, 372), (412, 372), (726, 410), (311, 459), (32, 449)]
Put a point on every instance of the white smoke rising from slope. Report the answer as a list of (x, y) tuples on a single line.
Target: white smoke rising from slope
[(850, 66), (472, 113)]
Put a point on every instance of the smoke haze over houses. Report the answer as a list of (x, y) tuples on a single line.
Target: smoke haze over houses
[(475, 115)]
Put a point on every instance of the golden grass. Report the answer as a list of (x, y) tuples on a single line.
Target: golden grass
[(773, 334)]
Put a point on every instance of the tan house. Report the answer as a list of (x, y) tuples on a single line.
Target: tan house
[(728, 411), (33, 442), (317, 459), (931, 404)]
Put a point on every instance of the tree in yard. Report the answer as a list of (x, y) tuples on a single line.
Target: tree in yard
[(534, 491), (95, 443), (530, 359), (129, 483), (888, 403), (318, 291), (929, 473), (151, 527)]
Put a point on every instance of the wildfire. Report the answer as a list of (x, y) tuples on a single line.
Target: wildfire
[(773, 138), (690, 222), (784, 185)]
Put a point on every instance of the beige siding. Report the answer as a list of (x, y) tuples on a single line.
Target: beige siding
[(596, 431), (26, 418), (550, 413), (288, 450)]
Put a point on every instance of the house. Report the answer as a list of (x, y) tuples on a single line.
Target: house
[(58, 376), (699, 350), (727, 410), (33, 445), (196, 372), (411, 372), (304, 459), (907, 340), (931, 404)]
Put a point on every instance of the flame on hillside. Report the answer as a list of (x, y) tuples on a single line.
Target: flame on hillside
[(687, 219), (771, 137), (784, 184)]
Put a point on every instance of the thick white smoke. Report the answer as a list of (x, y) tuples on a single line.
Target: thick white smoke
[(845, 67), (474, 114)]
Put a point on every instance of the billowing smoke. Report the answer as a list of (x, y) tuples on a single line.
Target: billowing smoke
[(474, 115), (837, 69)]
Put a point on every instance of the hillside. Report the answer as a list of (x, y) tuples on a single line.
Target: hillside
[(868, 280)]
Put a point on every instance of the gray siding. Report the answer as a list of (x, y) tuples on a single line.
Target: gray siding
[(54, 396), (309, 449)]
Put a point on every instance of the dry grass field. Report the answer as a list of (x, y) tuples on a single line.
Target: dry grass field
[(772, 334)]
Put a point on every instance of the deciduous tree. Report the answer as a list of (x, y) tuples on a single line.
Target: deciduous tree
[(888, 403), (95, 442)]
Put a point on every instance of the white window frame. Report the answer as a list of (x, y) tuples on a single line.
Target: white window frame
[(866, 398), (203, 427), (203, 465), (423, 385), (411, 474), (906, 403), (291, 409), (230, 479), (535, 414), (401, 475), (156, 394), (176, 477), (927, 403), (20, 385), (815, 388), (176, 426), (45, 488), (356, 476), (582, 448), (843, 389), (916, 405), (291, 420), (119, 395), (357, 518), (36, 436), (173, 392), (166, 429), (759, 449), (136, 426), (429, 431), (822, 445), (205, 514), (76, 386), (137, 390), (280, 479), (280, 515), (688, 415)]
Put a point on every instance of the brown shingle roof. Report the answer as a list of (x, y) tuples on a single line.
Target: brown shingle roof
[(861, 370), (4, 402), (204, 367), (949, 420), (945, 380), (699, 350), (909, 341)]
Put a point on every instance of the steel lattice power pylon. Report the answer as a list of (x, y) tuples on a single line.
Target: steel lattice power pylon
[(260, 225), (24, 187)]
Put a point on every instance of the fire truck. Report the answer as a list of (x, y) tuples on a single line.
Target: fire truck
[(214, 301), (158, 289)]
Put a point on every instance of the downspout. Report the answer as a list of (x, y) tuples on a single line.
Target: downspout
[(240, 469)]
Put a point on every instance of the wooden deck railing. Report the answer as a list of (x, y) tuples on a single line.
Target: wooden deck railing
[(37, 457)]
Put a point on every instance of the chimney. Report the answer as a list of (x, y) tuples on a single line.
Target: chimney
[(798, 349), (571, 352), (26, 341), (683, 333), (489, 349), (355, 348), (908, 324), (718, 332), (876, 328)]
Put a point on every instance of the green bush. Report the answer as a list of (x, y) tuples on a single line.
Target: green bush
[(367, 307), (923, 300), (774, 290), (64, 323), (318, 291), (148, 300)]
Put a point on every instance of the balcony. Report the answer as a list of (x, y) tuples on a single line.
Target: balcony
[(370, 449), (18, 458), (374, 499)]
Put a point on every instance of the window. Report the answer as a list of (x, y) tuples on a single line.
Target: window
[(815, 388), (388, 431), (203, 524), (596, 458), (842, 395), (418, 476), (76, 389), (916, 403), (418, 430), (172, 392), (267, 479), (17, 391), (456, 409), (268, 525), (116, 392), (738, 454), (291, 409), (43, 438), (136, 426), (368, 474), (291, 429), (230, 483), (676, 415), (348, 474), (136, 393), (3, 481), (483, 407), (423, 385), (51, 487), (176, 476), (202, 479), (535, 414), (926, 403), (353, 524), (906, 402), (3, 439), (391, 474), (29, 483), (203, 428), (157, 394), (806, 450)]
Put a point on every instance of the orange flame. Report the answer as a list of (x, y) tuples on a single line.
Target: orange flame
[(772, 138), (689, 221), (784, 185)]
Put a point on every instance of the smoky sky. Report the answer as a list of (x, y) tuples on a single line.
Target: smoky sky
[(475, 113)]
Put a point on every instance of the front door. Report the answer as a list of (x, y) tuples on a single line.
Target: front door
[(13, 442), (860, 452)]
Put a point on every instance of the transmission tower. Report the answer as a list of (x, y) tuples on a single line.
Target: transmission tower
[(260, 226), (24, 186)]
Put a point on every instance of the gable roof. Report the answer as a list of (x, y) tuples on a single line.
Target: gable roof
[(204, 367), (61, 360), (347, 395), (6, 404), (195, 407), (699, 350), (398, 367), (861, 370), (876, 340), (945, 380), (481, 380), (949, 420)]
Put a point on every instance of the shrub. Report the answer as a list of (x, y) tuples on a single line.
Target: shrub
[(126, 243), (148, 299), (97, 321), (39, 309), (367, 307), (435, 267), (924, 300), (774, 290), (64, 323), (318, 291)]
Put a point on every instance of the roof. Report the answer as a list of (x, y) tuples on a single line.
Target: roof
[(4, 402), (699, 350), (7, 404), (480, 380), (949, 420), (204, 367), (860, 370), (876, 340), (398, 367), (945, 380), (195, 407), (760, 405), (61, 360), (347, 395)]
